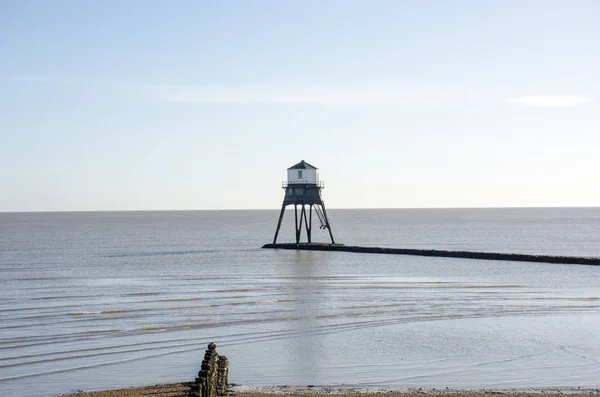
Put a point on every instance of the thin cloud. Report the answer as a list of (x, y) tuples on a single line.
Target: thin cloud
[(552, 101), (315, 95), (44, 79), (322, 95), (350, 95)]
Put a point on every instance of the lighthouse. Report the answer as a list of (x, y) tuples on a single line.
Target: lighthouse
[(303, 191)]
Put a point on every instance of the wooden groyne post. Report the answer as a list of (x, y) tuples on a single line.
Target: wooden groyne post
[(212, 379)]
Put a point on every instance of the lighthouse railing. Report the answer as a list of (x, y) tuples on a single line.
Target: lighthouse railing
[(319, 184)]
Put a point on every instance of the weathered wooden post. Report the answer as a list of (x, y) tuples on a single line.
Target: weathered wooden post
[(212, 379)]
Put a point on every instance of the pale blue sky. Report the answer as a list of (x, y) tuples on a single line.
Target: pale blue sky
[(118, 105)]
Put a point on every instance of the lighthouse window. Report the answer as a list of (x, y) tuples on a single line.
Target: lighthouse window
[(299, 174)]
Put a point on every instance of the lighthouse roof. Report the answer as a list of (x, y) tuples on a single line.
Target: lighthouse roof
[(302, 165)]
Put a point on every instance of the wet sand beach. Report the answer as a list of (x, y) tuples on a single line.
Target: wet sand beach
[(182, 389)]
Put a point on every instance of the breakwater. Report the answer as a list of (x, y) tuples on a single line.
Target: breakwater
[(212, 379), (498, 256)]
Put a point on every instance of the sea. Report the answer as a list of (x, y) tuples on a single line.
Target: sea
[(106, 300)]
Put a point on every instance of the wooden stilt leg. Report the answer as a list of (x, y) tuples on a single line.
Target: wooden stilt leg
[(279, 223), (327, 222), (296, 218), (308, 223), (302, 220), (304, 216)]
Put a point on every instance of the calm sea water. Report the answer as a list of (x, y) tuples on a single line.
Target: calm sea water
[(115, 299)]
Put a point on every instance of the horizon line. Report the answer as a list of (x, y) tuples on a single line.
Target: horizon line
[(278, 209)]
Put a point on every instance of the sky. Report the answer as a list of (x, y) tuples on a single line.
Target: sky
[(191, 105)]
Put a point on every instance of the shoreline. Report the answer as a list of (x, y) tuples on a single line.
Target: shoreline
[(181, 390)]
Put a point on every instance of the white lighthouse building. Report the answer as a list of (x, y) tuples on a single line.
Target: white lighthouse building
[(302, 173), (303, 191)]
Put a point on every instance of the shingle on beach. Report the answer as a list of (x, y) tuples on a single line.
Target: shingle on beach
[(182, 389)]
